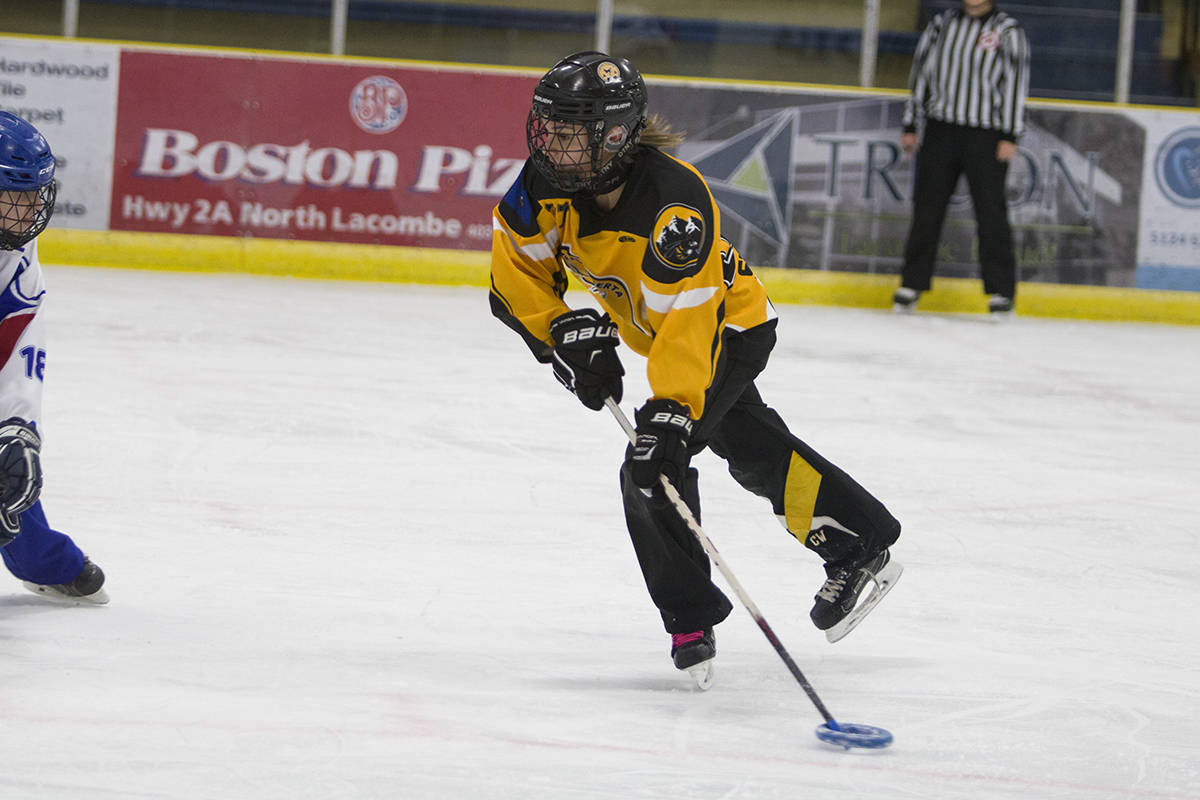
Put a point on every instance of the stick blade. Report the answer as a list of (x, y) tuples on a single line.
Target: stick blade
[(848, 735)]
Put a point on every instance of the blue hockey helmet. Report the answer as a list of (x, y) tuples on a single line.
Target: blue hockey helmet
[(27, 187), (587, 116)]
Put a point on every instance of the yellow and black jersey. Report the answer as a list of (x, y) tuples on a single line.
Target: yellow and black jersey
[(656, 263)]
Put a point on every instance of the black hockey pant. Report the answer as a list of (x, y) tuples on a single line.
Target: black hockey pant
[(947, 152), (764, 457)]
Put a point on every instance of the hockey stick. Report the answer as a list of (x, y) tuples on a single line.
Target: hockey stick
[(844, 734)]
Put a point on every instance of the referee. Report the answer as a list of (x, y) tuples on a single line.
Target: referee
[(970, 75)]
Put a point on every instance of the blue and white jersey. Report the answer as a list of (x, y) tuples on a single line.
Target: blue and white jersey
[(22, 334)]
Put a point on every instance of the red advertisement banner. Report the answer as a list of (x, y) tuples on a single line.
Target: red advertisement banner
[(281, 148)]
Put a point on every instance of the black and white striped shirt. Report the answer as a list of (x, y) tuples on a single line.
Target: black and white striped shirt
[(970, 71)]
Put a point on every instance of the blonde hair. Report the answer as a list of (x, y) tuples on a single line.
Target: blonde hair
[(658, 133)]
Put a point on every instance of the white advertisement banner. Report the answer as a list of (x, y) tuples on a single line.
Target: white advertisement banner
[(69, 91), (1169, 244)]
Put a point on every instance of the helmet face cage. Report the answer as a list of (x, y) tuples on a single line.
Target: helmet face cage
[(587, 116), (25, 214), (562, 150)]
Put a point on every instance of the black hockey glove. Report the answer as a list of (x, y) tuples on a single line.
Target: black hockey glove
[(20, 472), (585, 356), (661, 446)]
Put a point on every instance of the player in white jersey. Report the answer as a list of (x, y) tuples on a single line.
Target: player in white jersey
[(46, 561)]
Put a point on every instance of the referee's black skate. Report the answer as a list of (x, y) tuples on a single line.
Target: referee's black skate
[(838, 609), (693, 653), (904, 300)]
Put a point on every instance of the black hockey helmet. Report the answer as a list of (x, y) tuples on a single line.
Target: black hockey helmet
[(27, 188), (587, 116)]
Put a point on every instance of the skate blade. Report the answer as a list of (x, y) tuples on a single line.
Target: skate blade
[(702, 674), (97, 598), (884, 580)]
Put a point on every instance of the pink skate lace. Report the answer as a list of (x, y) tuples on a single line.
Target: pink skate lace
[(680, 639)]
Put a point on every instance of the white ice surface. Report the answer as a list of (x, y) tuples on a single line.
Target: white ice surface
[(360, 545)]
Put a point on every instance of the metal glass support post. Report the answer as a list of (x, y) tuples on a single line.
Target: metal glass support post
[(337, 27), (604, 18), (70, 18), (1125, 50), (870, 43)]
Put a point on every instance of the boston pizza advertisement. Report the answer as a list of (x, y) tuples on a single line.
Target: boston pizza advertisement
[(287, 148)]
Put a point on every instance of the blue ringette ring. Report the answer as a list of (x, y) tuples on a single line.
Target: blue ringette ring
[(847, 735)]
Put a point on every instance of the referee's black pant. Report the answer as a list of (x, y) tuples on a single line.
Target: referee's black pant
[(765, 458), (948, 151)]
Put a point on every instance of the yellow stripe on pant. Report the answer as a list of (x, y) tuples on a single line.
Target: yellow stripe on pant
[(800, 497)]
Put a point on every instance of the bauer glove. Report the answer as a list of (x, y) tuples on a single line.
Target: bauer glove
[(661, 445), (20, 472), (585, 356)]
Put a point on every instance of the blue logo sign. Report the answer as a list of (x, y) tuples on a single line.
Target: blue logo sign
[(1177, 167)]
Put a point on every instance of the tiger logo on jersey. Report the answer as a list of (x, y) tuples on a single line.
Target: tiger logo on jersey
[(678, 236)]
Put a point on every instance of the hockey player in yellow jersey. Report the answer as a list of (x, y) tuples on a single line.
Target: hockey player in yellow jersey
[(599, 199)]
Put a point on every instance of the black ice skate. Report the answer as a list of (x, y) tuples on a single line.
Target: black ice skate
[(694, 653), (837, 609), (88, 587), (904, 301), (1000, 307)]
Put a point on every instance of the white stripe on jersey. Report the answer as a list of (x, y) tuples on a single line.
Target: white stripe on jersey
[(662, 303), (537, 251)]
